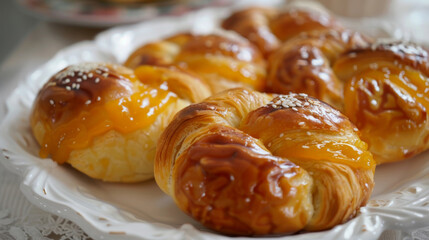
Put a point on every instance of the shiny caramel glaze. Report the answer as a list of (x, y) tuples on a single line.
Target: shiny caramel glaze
[(221, 61), (386, 97), (268, 27), (295, 21), (246, 163), (303, 64), (253, 24), (91, 102)]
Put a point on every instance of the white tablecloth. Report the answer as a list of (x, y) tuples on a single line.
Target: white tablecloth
[(18, 218)]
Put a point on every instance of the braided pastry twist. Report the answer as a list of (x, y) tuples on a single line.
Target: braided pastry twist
[(248, 163)]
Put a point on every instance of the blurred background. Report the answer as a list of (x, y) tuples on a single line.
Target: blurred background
[(14, 25)]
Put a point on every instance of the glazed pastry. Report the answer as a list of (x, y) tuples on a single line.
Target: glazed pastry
[(267, 27), (104, 122), (303, 64), (247, 163), (385, 95), (380, 86), (222, 61)]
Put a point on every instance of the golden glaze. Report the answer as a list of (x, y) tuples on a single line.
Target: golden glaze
[(87, 101), (243, 165), (222, 62), (386, 97), (267, 27), (253, 24), (303, 64), (380, 86)]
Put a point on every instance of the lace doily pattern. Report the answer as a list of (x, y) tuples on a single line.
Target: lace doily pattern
[(20, 220)]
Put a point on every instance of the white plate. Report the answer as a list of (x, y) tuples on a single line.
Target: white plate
[(141, 211)]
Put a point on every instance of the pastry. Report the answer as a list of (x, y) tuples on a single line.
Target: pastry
[(248, 163), (386, 96), (103, 121), (222, 61), (267, 28), (303, 64)]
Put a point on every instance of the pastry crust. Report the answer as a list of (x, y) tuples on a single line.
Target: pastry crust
[(222, 61), (105, 122), (267, 28), (385, 96), (248, 163), (304, 64)]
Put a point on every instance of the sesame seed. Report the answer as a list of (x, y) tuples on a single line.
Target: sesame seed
[(281, 134), (84, 77), (97, 80), (309, 133), (88, 102), (105, 75), (269, 144), (51, 102), (66, 81), (301, 123), (77, 86), (90, 75), (79, 80), (79, 69), (73, 85), (68, 88), (373, 66), (295, 109), (305, 146), (98, 98)]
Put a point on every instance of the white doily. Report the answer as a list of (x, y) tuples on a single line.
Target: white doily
[(20, 220)]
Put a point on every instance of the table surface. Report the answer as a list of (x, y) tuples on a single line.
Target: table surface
[(28, 44)]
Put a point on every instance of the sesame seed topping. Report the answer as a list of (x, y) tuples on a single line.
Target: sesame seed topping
[(51, 102), (301, 123), (288, 101), (105, 74), (269, 144), (79, 80), (66, 81), (80, 69), (68, 88), (84, 77), (90, 75), (88, 102), (97, 80), (98, 98), (281, 134), (373, 66)]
